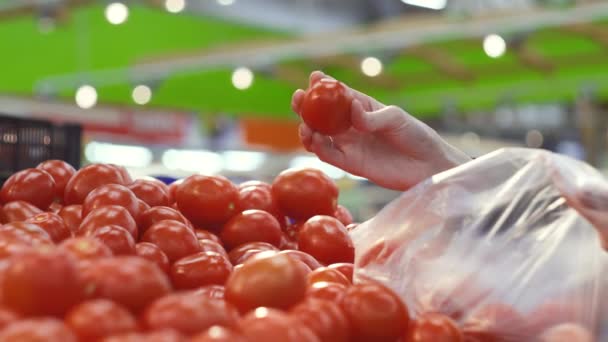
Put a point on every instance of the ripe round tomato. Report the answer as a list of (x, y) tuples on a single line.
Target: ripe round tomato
[(172, 189), (41, 282), (265, 324), (156, 214), (7, 317), (72, 216), (346, 268), (304, 193), (128, 280), (326, 239), (174, 238), (163, 335), (325, 318), (251, 226), (153, 253), (212, 246), (375, 312), (212, 291), (343, 215), (85, 248), (275, 281), (188, 313), (61, 173), (14, 241), (126, 177), (116, 238), (37, 330), (433, 327), (326, 107), (88, 179), (258, 196), (151, 192), (218, 334), (111, 194), (31, 233), (99, 318), (200, 269), (567, 332), (237, 255), (18, 211), (306, 258), (142, 207), (207, 200), (53, 224), (34, 186), (327, 291), (108, 215), (328, 275), (203, 234)]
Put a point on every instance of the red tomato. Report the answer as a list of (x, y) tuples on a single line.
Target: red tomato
[(207, 200), (266, 324), (306, 258), (116, 238), (275, 281), (188, 313), (200, 269), (164, 335), (304, 193), (433, 327), (343, 215), (153, 253), (72, 216), (33, 233), (326, 107), (34, 186), (41, 282), (85, 248), (18, 211), (129, 280), (88, 179), (108, 215), (378, 253), (495, 321), (326, 239), (375, 312), (7, 317), (37, 330), (212, 291), (236, 255), (324, 274), (346, 268), (142, 207), (55, 207), (111, 194), (174, 238), (251, 226), (212, 246), (203, 234), (567, 332), (327, 291), (218, 334), (61, 173), (287, 242), (99, 318), (258, 196), (151, 192), (156, 214), (325, 318), (172, 189), (126, 177), (53, 224), (14, 241)]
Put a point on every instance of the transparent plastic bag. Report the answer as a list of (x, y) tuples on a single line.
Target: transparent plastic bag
[(494, 245)]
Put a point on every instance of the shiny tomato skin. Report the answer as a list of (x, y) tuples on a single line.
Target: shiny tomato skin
[(16, 211), (72, 216), (174, 238), (251, 226), (160, 213), (34, 186), (53, 224), (267, 324), (172, 189), (212, 291), (116, 238), (95, 319), (218, 334), (30, 231), (88, 179), (128, 280), (151, 192), (325, 238), (259, 197), (304, 193), (328, 275), (236, 255), (212, 246), (111, 194), (85, 248), (203, 234), (432, 326), (346, 268), (37, 330), (7, 317), (41, 282), (326, 107), (108, 215), (55, 207), (189, 313), (343, 215), (327, 291), (287, 243), (153, 253), (375, 312), (163, 335), (207, 200), (14, 240), (275, 281), (200, 269), (61, 172), (325, 318), (306, 258), (124, 174)]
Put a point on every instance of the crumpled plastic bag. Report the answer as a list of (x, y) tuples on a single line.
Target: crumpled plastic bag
[(494, 245)]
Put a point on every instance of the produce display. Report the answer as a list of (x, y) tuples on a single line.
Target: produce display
[(91, 255)]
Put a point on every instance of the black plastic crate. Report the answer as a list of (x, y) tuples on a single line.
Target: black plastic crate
[(24, 143)]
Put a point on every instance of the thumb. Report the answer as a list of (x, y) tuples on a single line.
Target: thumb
[(385, 119)]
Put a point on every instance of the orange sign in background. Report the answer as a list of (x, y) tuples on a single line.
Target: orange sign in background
[(281, 135)]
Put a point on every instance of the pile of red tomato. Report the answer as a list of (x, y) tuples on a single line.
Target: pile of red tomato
[(92, 255)]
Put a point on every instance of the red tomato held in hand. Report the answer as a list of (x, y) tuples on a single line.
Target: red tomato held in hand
[(72, 216), (151, 192), (85, 248), (207, 200), (218, 334), (375, 312), (34, 186), (200, 269), (236, 256), (433, 327), (116, 238), (153, 253), (157, 214), (105, 216), (266, 324), (325, 238), (326, 107), (37, 330), (95, 319), (17, 211), (325, 318), (304, 193), (327, 291), (327, 275), (61, 173), (111, 194), (88, 179), (174, 238), (53, 224), (251, 226), (275, 281), (343, 215)]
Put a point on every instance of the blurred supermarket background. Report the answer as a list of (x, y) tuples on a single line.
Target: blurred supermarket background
[(168, 88)]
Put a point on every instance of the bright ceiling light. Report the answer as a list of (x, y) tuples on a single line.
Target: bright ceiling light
[(142, 94), (225, 2), (86, 97), (243, 161), (242, 78), (128, 156), (431, 4), (371, 66), (175, 6), (315, 163), (494, 46), (203, 162), (117, 13)]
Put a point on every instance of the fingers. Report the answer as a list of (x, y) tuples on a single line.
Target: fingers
[(296, 101), (305, 136), (315, 77), (389, 118), (325, 149)]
